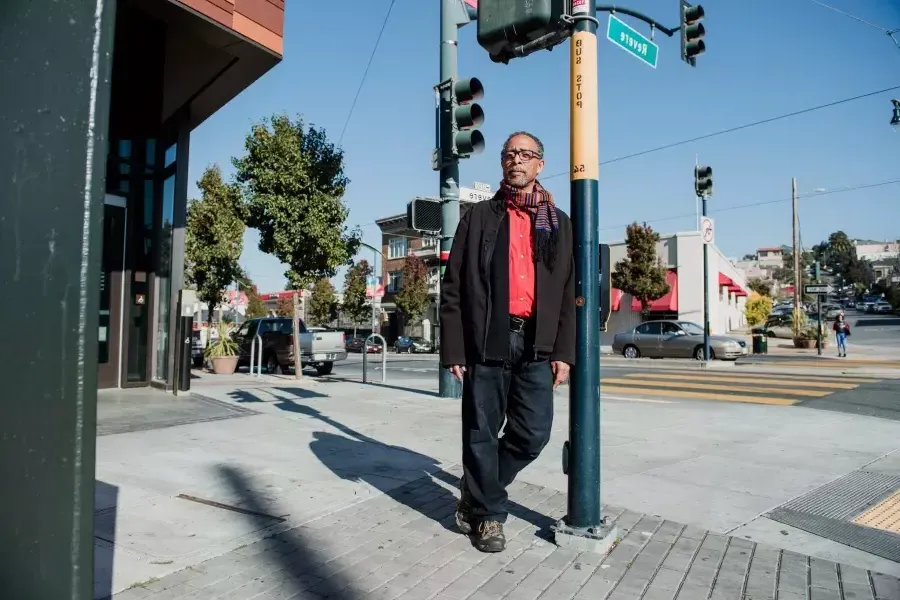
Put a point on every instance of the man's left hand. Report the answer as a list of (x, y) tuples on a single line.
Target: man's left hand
[(560, 372)]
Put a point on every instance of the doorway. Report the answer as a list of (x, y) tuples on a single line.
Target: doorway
[(109, 359)]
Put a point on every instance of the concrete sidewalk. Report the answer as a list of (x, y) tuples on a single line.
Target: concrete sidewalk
[(182, 498)]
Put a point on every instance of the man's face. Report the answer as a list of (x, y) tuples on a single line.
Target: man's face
[(521, 161)]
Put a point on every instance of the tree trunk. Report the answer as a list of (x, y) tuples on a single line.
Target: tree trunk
[(298, 367)]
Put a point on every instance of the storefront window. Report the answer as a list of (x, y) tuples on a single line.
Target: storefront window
[(164, 276)]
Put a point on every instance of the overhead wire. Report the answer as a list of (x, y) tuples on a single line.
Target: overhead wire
[(890, 32), (737, 128), (366, 72)]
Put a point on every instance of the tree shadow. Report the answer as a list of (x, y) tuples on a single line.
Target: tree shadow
[(299, 566), (355, 456), (106, 502)]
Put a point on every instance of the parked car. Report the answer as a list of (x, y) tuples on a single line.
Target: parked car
[(197, 350), (411, 345), (675, 339), (882, 307), (357, 344), (319, 349)]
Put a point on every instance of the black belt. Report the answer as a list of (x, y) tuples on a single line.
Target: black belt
[(518, 324)]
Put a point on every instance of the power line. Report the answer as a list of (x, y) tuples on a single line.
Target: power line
[(890, 32), (366, 72), (851, 188), (734, 129)]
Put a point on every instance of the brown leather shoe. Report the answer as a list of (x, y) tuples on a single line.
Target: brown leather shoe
[(489, 537)]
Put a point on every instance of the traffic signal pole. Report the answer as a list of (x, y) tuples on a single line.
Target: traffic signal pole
[(706, 352), (448, 386), (583, 527)]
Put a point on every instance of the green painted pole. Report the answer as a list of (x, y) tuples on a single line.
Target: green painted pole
[(449, 386), (584, 387), (52, 170)]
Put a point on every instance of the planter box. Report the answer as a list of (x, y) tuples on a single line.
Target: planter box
[(224, 365), (809, 344)]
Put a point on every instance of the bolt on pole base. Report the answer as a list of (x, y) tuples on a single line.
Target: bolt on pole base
[(599, 540)]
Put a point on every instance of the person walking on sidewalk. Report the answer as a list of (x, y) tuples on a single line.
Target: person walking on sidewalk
[(507, 332), (841, 333)]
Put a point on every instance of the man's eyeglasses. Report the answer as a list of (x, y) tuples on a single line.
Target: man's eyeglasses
[(525, 155)]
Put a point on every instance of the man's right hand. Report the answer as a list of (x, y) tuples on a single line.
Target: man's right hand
[(457, 371)]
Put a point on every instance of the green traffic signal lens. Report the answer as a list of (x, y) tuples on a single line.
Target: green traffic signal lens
[(469, 115), (469, 142)]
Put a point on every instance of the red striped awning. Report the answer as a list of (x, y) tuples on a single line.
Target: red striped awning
[(668, 303), (726, 281)]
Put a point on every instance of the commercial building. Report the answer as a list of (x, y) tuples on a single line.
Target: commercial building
[(682, 256), (175, 63)]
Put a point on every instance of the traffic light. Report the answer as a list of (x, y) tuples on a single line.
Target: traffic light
[(505, 24), (703, 181), (692, 32), (424, 214), (605, 286), (895, 120), (466, 116)]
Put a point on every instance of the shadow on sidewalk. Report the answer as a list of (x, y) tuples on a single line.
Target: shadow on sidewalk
[(355, 456), (303, 567)]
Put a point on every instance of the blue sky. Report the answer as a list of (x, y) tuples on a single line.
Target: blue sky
[(763, 59)]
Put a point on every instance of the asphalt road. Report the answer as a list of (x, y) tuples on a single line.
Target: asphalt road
[(873, 330)]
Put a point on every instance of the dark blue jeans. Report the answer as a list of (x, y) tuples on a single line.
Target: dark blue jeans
[(520, 391)]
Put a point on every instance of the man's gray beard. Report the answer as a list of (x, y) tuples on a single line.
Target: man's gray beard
[(518, 186)]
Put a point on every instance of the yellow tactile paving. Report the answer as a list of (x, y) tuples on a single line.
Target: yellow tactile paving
[(634, 390), (828, 364), (721, 387), (884, 516), (836, 384)]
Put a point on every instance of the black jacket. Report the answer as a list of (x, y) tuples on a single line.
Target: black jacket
[(475, 293)]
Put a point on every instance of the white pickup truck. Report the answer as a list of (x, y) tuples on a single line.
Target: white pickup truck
[(319, 349)]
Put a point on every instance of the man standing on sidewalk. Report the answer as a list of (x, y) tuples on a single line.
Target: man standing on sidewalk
[(508, 332)]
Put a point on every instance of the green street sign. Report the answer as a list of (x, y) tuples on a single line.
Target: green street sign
[(632, 42)]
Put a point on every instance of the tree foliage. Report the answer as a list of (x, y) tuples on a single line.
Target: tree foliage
[(293, 181), (355, 306), (255, 306), (413, 298), (322, 304), (642, 273), (760, 287), (858, 271), (214, 238), (758, 308), (285, 307)]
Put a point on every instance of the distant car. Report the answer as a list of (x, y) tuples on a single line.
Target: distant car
[(357, 345), (882, 307), (675, 339), (412, 345)]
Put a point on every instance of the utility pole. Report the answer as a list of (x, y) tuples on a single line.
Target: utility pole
[(706, 351), (819, 312), (798, 280)]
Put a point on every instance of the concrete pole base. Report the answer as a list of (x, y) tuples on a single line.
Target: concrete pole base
[(599, 540)]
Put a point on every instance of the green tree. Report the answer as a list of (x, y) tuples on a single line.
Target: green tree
[(214, 238), (322, 303), (749, 257), (641, 274), (255, 306), (785, 273), (413, 298), (356, 305), (760, 287), (858, 272), (293, 181)]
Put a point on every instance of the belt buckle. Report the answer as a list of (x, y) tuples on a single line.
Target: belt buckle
[(519, 324)]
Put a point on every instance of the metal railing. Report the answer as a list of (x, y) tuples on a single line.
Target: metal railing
[(383, 357), (253, 347)]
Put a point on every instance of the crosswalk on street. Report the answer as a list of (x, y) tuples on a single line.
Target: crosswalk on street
[(781, 390)]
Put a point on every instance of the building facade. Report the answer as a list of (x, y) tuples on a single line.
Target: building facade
[(175, 62), (682, 256)]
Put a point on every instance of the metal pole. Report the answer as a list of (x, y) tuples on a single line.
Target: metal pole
[(449, 386), (706, 352), (819, 328), (798, 279), (52, 169), (374, 287), (584, 387)]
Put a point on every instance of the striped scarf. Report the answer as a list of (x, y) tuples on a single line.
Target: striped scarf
[(540, 205)]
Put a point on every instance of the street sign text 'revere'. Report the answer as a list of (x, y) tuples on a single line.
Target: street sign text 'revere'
[(628, 39), (473, 195), (813, 289)]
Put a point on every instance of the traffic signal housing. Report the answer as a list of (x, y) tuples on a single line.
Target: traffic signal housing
[(506, 24), (692, 32), (466, 116), (703, 181), (424, 214), (895, 120), (605, 286)]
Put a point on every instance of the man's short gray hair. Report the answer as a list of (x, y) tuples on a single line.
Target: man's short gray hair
[(537, 141)]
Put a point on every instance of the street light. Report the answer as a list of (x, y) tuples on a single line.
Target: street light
[(375, 254), (895, 120)]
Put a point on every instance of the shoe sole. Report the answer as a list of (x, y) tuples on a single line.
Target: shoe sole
[(463, 525), (489, 549)]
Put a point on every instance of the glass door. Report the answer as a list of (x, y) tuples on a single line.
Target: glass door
[(111, 293)]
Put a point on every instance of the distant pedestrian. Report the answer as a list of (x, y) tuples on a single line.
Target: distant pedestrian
[(507, 332), (841, 333)]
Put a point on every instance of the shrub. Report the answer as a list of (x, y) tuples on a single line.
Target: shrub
[(757, 309)]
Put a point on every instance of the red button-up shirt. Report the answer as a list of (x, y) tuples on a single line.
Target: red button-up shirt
[(521, 264)]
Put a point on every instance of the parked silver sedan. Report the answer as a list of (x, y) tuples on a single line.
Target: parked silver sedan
[(675, 339)]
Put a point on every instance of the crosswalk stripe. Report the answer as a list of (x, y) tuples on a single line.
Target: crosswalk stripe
[(718, 387), (699, 395), (762, 381), (827, 363)]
